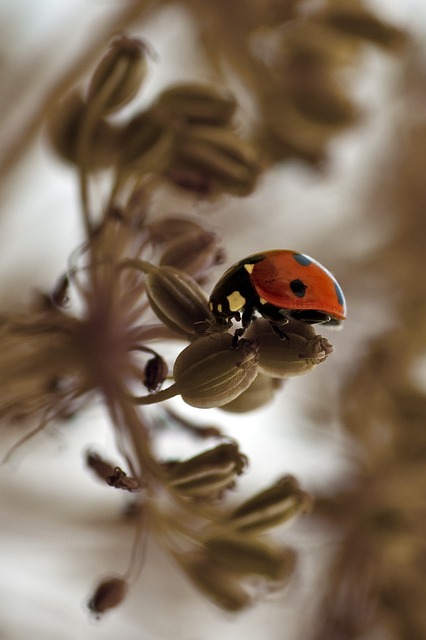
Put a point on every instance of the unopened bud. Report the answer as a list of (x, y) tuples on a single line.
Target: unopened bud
[(197, 104), (110, 593), (244, 555), (270, 507), (297, 353), (220, 159), (195, 253), (119, 75), (209, 473), (260, 392), (210, 372)]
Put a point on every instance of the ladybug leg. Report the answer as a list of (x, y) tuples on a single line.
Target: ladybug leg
[(246, 319)]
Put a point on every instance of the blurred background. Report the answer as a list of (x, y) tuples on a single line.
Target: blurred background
[(346, 186)]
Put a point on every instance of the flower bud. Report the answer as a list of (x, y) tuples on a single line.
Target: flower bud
[(260, 392), (270, 507), (210, 372), (64, 129), (218, 157), (195, 253), (242, 555), (119, 75), (298, 353), (178, 301), (209, 473), (108, 595), (196, 103)]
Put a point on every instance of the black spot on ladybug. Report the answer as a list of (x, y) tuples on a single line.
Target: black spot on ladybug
[(298, 288), (339, 294)]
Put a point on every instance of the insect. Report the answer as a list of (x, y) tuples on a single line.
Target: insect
[(280, 285)]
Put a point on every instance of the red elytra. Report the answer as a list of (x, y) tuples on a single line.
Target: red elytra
[(273, 276), (278, 284)]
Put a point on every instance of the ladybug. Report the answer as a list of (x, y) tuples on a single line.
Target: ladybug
[(280, 285)]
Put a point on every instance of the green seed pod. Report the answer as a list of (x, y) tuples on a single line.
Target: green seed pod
[(178, 301), (242, 555), (209, 473), (196, 103), (218, 158), (119, 75), (297, 354), (271, 507), (260, 392), (210, 372), (65, 126)]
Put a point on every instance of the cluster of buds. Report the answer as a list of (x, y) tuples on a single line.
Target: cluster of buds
[(226, 556), (233, 559), (185, 138), (305, 102)]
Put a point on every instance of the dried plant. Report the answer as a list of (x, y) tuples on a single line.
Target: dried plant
[(135, 288)]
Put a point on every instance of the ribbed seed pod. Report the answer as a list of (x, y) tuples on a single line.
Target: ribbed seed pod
[(297, 354), (218, 157), (209, 473), (271, 507), (196, 103), (211, 373), (119, 75), (243, 555), (178, 301), (216, 583), (260, 392)]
